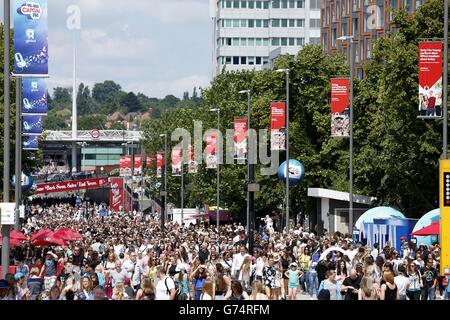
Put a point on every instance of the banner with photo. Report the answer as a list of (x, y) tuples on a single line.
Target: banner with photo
[(30, 38), (177, 157), (116, 197), (193, 165), (211, 151), (30, 143), (340, 107), (32, 125), (34, 96), (125, 166), (137, 165), (430, 79), (149, 161), (159, 164), (240, 139), (277, 126)]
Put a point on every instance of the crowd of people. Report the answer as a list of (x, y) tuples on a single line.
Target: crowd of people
[(126, 256)]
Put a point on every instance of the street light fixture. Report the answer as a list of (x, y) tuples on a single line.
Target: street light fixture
[(352, 62), (218, 167), (287, 72)]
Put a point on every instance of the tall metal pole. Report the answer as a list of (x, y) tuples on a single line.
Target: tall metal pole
[(132, 177), (251, 178), (165, 179), (287, 150), (182, 188), (445, 82), (74, 107), (18, 149), (6, 128), (352, 63), (218, 170)]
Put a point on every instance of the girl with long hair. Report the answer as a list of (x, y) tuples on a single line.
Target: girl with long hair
[(367, 291), (147, 291), (258, 292), (208, 290)]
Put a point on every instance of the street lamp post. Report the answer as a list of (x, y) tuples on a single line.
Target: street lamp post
[(250, 176), (350, 182), (286, 72), (164, 184), (218, 168)]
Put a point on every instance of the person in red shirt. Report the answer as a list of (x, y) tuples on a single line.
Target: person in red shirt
[(431, 104)]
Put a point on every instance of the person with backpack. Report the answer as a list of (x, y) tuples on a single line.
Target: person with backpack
[(165, 289)]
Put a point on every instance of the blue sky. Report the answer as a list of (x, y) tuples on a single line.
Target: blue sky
[(156, 47)]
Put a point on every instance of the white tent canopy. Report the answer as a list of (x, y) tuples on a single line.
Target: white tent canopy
[(350, 254)]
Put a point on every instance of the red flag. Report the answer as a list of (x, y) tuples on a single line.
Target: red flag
[(277, 125), (430, 78), (340, 111)]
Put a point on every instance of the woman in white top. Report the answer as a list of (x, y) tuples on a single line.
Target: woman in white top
[(208, 290)]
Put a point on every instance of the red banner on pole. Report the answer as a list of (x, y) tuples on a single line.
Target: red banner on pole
[(340, 107), (193, 165), (211, 151), (149, 162), (116, 198), (137, 165), (159, 164), (125, 166), (66, 186), (277, 126), (430, 79), (240, 139), (177, 157)]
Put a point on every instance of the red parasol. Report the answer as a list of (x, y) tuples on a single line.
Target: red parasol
[(39, 233), (46, 239), (13, 242), (17, 235), (68, 234), (432, 229)]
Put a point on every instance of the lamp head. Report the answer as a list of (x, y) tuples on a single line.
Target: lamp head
[(244, 91), (214, 110), (282, 70)]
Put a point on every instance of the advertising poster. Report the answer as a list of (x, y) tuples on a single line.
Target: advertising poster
[(211, 151), (30, 143), (277, 126), (240, 139), (30, 38), (137, 165), (193, 165), (340, 107), (34, 92), (430, 79), (32, 125), (159, 164), (116, 198), (150, 161), (177, 157), (66, 186), (125, 166)]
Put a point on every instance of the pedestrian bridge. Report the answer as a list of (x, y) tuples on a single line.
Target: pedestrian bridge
[(94, 136)]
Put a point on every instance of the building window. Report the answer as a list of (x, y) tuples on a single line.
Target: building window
[(258, 60), (251, 61), (251, 42), (251, 4), (265, 23), (228, 23), (229, 4), (265, 60), (228, 41), (275, 4), (243, 60), (236, 4), (236, 23), (275, 41), (314, 23), (284, 4), (300, 41), (300, 23), (258, 23), (258, 42), (315, 4), (244, 23), (300, 4), (243, 42), (314, 40), (235, 42), (291, 42), (235, 60), (258, 5), (275, 23), (284, 23), (291, 4), (243, 4), (251, 23), (228, 60), (291, 23), (266, 4), (265, 42), (284, 41)]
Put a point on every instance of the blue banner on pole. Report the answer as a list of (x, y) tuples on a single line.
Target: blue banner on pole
[(30, 38), (32, 125), (31, 143), (34, 96)]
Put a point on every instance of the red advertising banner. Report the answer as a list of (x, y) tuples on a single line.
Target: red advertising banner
[(277, 125), (149, 162), (159, 164), (211, 151), (240, 139), (137, 165), (430, 79), (340, 111), (116, 198), (66, 186), (193, 165), (125, 166), (177, 157)]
